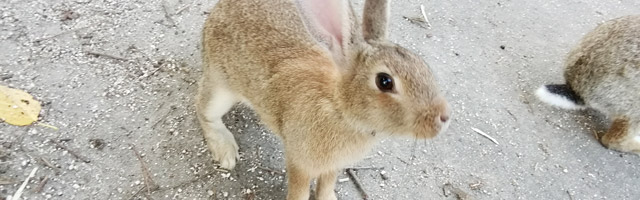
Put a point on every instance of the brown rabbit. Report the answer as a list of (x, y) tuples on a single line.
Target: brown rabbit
[(603, 72), (327, 88)]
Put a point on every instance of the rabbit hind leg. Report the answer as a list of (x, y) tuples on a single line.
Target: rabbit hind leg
[(326, 185), (623, 135), (298, 182), (213, 101)]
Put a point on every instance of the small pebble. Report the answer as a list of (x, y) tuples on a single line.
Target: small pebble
[(384, 175)]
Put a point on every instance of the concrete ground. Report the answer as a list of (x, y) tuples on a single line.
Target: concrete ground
[(118, 79)]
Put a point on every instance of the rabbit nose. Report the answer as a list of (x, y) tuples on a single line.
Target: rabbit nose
[(444, 109), (444, 118)]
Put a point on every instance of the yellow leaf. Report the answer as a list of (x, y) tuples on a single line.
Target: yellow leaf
[(17, 107)]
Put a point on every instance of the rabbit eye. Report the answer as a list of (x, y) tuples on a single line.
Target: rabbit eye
[(384, 82)]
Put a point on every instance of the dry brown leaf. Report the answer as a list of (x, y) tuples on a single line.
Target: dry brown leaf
[(18, 107)]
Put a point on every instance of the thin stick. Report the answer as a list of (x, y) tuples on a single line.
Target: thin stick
[(137, 192), (595, 134), (73, 153), (426, 20), (183, 8), (59, 34), (47, 125), (41, 185), (512, 115), (167, 15), (405, 162), (106, 55), (358, 184), (485, 135), (7, 182), (270, 170), (365, 168), (148, 182), (48, 164), (18, 193)]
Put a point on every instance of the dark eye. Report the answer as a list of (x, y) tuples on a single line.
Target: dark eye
[(384, 82)]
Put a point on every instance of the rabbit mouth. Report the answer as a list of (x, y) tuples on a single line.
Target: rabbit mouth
[(429, 127)]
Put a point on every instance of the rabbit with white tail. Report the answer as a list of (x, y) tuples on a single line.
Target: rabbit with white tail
[(603, 73), (326, 85)]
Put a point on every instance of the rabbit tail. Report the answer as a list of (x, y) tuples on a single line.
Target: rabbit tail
[(561, 96)]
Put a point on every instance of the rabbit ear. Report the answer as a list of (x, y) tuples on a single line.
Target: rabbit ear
[(375, 20), (328, 22)]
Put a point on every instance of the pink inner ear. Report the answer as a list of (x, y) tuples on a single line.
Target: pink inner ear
[(328, 15)]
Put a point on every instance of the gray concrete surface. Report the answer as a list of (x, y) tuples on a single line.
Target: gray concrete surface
[(140, 100)]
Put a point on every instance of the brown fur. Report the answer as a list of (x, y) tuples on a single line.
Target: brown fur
[(604, 69), (317, 93)]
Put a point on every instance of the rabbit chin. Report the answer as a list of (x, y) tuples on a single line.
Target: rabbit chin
[(418, 132), (429, 131)]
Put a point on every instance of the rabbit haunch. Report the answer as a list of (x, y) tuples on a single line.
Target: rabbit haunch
[(603, 72), (309, 70)]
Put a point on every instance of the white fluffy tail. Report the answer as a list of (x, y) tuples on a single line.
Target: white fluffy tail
[(560, 96)]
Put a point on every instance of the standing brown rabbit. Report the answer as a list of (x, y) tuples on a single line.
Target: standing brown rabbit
[(603, 72), (327, 88)]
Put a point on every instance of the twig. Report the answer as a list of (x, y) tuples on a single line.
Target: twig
[(183, 8), (270, 170), (365, 168), (405, 162), (167, 15), (485, 135), (417, 21), (222, 170), (106, 55), (7, 182), (595, 134), (48, 164), (78, 156), (41, 185), (137, 192), (47, 125), (59, 34), (512, 115), (18, 193), (148, 181), (426, 20), (358, 184)]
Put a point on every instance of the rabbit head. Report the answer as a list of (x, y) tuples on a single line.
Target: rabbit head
[(382, 87)]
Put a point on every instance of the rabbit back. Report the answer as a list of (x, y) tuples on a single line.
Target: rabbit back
[(257, 48), (604, 69)]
